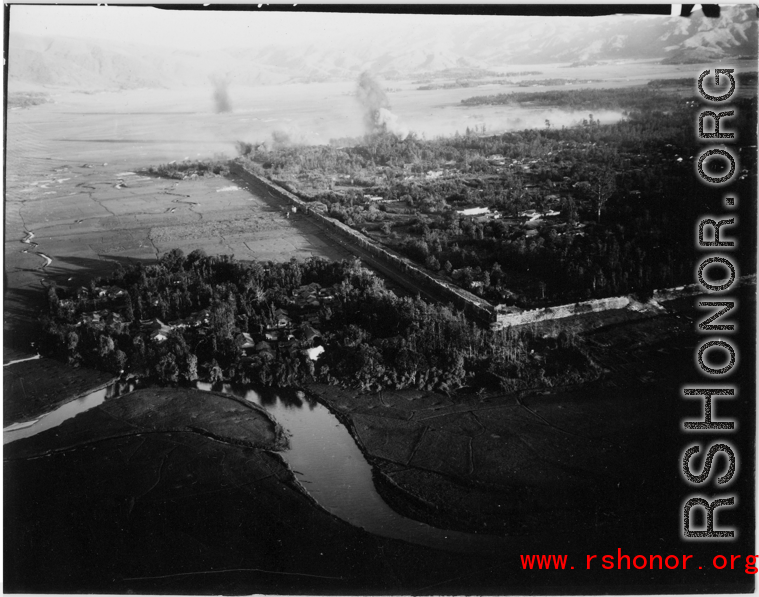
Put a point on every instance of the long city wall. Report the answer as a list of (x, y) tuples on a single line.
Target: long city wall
[(404, 271), (618, 302), (560, 311), (401, 269), (669, 294)]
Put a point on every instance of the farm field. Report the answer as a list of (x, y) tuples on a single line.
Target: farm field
[(88, 207), (73, 169)]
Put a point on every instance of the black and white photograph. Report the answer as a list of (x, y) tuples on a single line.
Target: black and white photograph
[(379, 299)]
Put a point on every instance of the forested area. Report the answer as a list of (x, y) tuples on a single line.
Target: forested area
[(626, 194), (648, 98), (371, 338), (643, 98)]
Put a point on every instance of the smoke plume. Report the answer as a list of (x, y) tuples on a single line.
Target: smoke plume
[(377, 115), (221, 95)]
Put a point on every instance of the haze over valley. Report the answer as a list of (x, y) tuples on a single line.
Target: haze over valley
[(340, 47)]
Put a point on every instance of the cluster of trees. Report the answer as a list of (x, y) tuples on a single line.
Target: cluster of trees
[(192, 169), (463, 83), (461, 72), (554, 266), (372, 338), (744, 79), (554, 81), (385, 158), (651, 116), (643, 98), (626, 192)]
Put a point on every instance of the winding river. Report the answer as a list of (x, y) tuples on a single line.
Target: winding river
[(323, 457), (27, 240)]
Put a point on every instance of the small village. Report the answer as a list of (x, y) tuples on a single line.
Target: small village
[(289, 330)]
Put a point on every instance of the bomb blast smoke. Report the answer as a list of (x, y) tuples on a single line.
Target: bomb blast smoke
[(377, 115), (372, 99), (221, 95)]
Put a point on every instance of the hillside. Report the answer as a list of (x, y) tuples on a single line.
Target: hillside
[(404, 50), (96, 65)]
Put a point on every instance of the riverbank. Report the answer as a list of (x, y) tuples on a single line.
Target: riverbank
[(33, 387), (183, 491), (178, 491), (554, 459)]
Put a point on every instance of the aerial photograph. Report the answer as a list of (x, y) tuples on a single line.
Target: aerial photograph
[(379, 299)]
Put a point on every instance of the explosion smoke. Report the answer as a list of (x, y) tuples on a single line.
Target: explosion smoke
[(377, 115), (221, 95)]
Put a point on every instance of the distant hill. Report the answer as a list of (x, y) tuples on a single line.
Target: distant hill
[(402, 51), (97, 65)]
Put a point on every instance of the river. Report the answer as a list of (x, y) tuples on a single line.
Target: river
[(64, 412), (323, 457)]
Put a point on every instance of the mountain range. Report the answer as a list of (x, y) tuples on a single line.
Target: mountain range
[(398, 52)]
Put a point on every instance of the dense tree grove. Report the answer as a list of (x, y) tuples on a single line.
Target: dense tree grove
[(370, 337), (626, 194), (577, 99), (192, 169), (648, 98)]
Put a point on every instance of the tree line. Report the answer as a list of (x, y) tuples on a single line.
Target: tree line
[(625, 191), (372, 338)]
